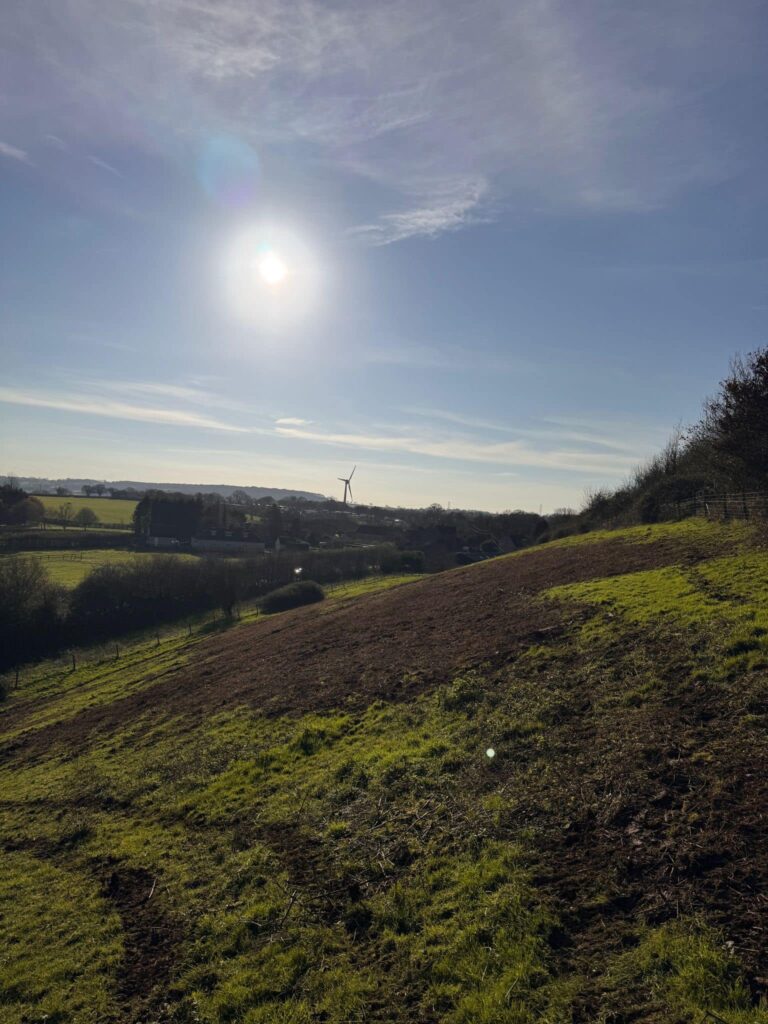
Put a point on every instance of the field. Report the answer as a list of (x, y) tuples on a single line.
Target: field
[(530, 790), (68, 568), (109, 510)]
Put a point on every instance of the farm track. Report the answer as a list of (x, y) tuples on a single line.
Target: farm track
[(387, 646)]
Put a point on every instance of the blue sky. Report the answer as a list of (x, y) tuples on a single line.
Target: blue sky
[(516, 242)]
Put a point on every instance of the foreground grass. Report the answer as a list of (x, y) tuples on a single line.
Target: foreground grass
[(375, 864)]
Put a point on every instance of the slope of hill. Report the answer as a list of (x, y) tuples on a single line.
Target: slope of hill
[(533, 789)]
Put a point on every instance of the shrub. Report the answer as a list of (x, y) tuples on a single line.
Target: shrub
[(403, 561), (85, 517), (293, 596), (668, 491)]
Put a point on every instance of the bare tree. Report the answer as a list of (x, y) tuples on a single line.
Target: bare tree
[(64, 512)]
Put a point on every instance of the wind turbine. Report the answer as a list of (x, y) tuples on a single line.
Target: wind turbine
[(346, 480)]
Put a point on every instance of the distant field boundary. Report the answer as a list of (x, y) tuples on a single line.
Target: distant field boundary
[(73, 538), (732, 505), (68, 524)]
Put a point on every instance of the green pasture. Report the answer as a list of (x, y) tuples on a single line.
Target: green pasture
[(109, 510), (69, 567)]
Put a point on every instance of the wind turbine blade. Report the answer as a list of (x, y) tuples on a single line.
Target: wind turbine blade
[(353, 472), (342, 478), (350, 495)]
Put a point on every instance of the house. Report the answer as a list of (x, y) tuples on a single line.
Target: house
[(228, 542), (162, 543)]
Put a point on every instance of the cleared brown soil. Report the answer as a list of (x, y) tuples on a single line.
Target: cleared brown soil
[(377, 647)]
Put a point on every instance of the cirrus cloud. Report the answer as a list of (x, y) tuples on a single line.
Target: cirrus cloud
[(447, 114)]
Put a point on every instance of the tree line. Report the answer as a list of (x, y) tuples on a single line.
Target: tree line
[(38, 618), (725, 451)]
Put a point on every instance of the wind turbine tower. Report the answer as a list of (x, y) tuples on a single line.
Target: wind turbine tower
[(347, 481)]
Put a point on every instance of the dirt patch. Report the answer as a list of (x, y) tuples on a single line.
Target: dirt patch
[(648, 814), (150, 936), (383, 646)]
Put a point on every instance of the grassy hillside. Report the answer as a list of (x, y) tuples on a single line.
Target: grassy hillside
[(109, 510), (300, 819)]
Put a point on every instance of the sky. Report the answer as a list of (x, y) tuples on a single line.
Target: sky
[(490, 253)]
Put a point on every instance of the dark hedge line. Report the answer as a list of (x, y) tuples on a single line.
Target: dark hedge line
[(38, 618)]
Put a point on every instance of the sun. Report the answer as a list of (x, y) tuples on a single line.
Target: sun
[(271, 269), (271, 277)]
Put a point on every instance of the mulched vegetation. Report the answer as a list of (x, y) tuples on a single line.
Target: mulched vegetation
[(655, 808), (631, 772), (387, 646)]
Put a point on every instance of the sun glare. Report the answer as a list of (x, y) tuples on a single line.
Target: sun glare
[(271, 277), (271, 269)]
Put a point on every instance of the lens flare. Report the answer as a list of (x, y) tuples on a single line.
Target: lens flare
[(228, 171)]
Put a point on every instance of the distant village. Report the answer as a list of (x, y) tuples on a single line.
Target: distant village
[(251, 521), (243, 526)]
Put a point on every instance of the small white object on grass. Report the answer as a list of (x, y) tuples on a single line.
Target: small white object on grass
[(490, 752)]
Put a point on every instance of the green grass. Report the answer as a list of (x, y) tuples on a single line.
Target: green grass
[(109, 510), (371, 863), (724, 600), (700, 530), (60, 942), (687, 968), (370, 585), (68, 568)]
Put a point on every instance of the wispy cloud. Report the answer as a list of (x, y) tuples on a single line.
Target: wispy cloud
[(176, 391), (619, 437), (14, 153), (441, 109), (467, 449), (291, 421), (98, 406), (452, 206), (459, 418), (104, 166)]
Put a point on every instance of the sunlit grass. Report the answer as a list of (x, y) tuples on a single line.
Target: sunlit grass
[(108, 510), (364, 863), (70, 567)]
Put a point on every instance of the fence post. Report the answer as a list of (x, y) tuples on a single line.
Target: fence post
[(744, 504)]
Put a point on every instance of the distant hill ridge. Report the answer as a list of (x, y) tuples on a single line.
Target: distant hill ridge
[(37, 483)]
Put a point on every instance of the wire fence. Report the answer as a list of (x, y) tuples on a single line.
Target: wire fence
[(742, 505), (147, 644)]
